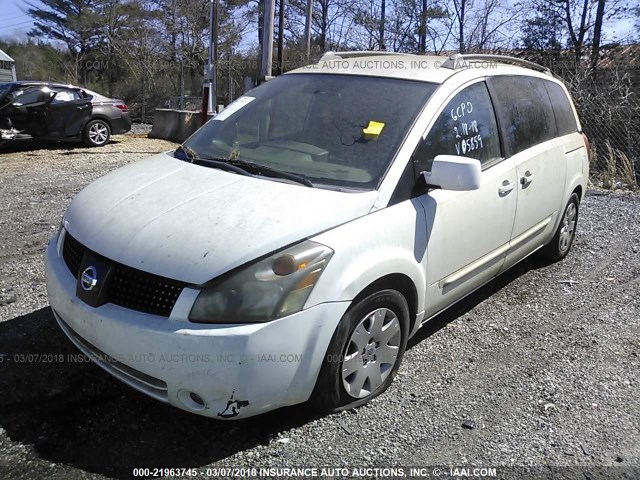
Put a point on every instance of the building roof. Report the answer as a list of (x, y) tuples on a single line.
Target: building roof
[(5, 58)]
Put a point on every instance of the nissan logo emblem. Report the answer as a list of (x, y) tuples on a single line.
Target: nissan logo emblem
[(89, 278)]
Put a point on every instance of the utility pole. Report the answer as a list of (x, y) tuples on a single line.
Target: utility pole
[(307, 30), (281, 37), (267, 39), (209, 91)]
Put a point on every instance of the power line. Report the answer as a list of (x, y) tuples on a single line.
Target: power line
[(17, 17), (15, 24)]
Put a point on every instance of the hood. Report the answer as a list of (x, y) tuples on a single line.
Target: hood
[(193, 223)]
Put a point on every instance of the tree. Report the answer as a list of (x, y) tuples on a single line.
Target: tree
[(542, 37), (72, 22), (332, 25), (480, 24), (460, 7), (597, 31), (583, 21)]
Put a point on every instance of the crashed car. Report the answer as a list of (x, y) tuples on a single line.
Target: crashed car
[(291, 246), (53, 111)]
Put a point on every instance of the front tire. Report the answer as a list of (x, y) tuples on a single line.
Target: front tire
[(97, 133), (365, 353), (559, 247)]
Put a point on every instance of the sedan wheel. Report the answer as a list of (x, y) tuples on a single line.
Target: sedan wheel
[(97, 133)]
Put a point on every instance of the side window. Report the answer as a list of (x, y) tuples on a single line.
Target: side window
[(465, 127), (565, 118), (63, 96), (30, 96), (525, 111)]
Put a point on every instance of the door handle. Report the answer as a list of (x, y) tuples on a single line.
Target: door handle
[(527, 179), (506, 187), (82, 107)]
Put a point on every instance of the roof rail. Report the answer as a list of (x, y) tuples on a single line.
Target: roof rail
[(459, 59), (330, 55)]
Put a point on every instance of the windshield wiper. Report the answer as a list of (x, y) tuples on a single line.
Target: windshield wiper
[(271, 172), (238, 166), (189, 155)]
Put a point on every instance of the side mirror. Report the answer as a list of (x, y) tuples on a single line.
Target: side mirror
[(451, 172)]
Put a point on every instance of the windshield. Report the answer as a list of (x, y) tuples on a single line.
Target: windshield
[(340, 130)]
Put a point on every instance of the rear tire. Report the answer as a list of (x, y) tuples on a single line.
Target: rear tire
[(96, 133), (365, 353), (561, 243)]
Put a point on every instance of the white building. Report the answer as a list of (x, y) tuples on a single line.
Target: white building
[(7, 68)]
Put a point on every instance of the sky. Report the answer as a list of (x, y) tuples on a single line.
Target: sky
[(14, 23)]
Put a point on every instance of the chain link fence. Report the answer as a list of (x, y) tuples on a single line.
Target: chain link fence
[(607, 98), (609, 111), (193, 104)]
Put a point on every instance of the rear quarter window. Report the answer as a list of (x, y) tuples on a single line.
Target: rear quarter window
[(525, 112), (565, 118)]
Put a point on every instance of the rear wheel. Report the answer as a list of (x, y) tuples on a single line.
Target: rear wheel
[(559, 247), (97, 133), (365, 352)]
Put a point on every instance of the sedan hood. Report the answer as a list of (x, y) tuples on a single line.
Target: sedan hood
[(193, 223)]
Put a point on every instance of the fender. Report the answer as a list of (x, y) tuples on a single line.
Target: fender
[(398, 248), (96, 117), (577, 173)]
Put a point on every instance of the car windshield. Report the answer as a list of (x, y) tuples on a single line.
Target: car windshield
[(335, 130)]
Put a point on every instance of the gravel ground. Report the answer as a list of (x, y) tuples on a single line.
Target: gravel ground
[(544, 361)]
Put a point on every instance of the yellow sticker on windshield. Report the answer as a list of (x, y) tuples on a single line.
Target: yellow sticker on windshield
[(373, 130)]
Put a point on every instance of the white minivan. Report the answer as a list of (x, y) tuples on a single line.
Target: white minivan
[(289, 248)]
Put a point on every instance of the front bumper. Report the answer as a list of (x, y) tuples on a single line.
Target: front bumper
[(220, 371)]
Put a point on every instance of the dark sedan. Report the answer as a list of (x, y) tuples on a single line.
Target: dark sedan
[(54, 111)]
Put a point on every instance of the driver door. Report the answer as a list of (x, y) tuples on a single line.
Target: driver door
[(25, 109), (67, 113), (468, 231)]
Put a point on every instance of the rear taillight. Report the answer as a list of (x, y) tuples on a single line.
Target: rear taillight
[(587, 145), (122, 107)]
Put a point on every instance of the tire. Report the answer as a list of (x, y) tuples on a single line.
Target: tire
[(357, 367), (96, 133), (561, 243)]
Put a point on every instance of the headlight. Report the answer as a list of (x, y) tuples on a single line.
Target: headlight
[(271, 288)]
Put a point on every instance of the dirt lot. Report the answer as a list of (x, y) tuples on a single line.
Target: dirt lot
[(545, 361)]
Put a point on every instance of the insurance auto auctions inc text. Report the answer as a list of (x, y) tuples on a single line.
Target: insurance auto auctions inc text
[(377, 472)]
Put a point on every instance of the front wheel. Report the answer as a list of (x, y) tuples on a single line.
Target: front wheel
[(365, 352), (559, 247), (97, 133)]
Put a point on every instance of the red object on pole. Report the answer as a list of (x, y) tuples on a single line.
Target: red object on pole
[(205, 105)]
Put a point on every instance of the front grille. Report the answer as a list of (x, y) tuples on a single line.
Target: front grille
[(140, 291), (72, 252), (128, 287)]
